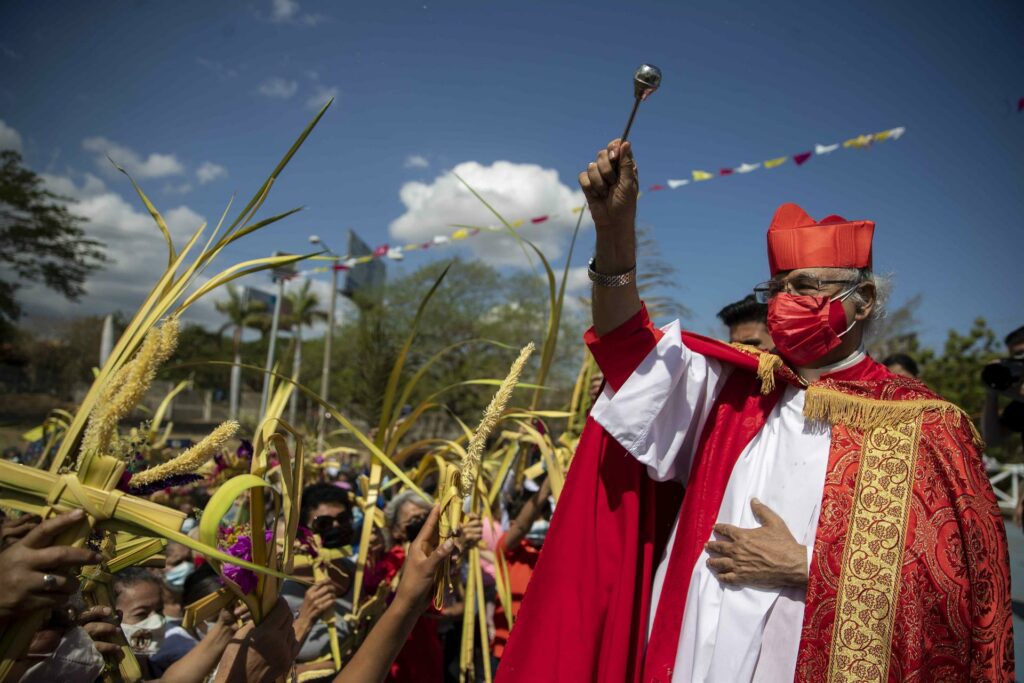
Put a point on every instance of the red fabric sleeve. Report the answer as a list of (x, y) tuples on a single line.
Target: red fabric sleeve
[(619, 352)]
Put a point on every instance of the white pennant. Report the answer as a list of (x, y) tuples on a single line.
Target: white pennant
[(442, 239), (825, 149), (897, 133), (677, 183), (747, 168), (395, 253)]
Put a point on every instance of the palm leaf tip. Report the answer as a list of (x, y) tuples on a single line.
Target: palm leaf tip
[(470, 466)]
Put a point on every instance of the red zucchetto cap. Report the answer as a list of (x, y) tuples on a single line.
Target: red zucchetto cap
[(795, 240)]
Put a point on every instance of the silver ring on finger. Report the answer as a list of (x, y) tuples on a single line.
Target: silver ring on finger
[(49, 582)]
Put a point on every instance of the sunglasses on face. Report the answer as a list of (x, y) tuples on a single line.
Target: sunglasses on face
[(323, 523)]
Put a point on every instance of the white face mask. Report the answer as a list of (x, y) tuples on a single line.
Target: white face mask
[(146, 636)]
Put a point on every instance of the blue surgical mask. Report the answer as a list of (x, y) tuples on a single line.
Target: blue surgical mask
[(176, 575)]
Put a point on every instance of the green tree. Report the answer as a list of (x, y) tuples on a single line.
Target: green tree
[(474, 302), (241, 313), (40, 240), (956, 373)]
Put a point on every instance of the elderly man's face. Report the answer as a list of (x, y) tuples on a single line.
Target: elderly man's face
[(409, 512), (828, 282)]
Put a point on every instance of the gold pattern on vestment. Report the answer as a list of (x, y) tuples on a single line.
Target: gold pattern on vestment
[(873, 555)]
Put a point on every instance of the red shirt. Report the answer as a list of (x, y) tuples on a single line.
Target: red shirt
[(521, 561)]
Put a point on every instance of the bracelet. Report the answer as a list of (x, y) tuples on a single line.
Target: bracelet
[(603, 280)]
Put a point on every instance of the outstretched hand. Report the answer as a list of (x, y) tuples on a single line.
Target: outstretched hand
[(610, 185), (765, 557), (422, 561)]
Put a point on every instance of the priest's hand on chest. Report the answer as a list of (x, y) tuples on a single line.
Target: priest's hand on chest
[(765, 557)]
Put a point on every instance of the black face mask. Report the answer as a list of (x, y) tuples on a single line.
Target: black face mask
[(337, 536), (413, 527)]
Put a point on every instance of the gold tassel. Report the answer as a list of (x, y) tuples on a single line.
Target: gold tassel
[(767, 365)]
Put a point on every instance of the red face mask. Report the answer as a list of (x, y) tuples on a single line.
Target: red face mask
[(805, 328)]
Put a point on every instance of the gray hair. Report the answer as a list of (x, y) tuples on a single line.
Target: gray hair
[(396, 503), (883, 287)]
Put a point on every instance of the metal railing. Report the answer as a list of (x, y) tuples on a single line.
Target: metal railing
[(1013, 473)]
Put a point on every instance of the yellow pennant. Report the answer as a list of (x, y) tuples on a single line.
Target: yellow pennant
[(702, 175), (778, 161)]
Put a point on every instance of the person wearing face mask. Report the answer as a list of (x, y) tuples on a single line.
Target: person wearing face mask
[(139, 598), (736, 515), (326, 511)]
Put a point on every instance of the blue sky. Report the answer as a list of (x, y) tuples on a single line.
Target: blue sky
[(202, 98)]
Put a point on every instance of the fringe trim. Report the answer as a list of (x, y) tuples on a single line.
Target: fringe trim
[(767, 365), (835, 407)]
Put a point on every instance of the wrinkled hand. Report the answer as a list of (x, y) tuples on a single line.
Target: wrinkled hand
[(263, 653), (421, 563), (470, 533), (765, 557), (319, 598), (610, 185), (24, 563), (101, 625)]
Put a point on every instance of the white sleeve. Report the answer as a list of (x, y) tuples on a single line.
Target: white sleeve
[(659, 413)]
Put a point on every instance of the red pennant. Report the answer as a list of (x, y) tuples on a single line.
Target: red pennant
[(655, 188), (538, 219), (725, 171), (801, 158), (1020, 104), (426, 245), (474, 231), (339, 266), (380, 251)]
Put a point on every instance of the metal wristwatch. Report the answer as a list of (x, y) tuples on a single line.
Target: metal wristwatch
[(603, 280)]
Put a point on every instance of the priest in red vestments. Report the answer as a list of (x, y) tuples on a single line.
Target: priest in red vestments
[(734, 515)]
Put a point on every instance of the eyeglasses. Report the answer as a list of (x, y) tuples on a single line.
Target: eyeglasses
[(323, 523), (803, 285)]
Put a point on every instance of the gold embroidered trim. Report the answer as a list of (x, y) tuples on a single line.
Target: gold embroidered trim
[(864, 414), (869, 579)]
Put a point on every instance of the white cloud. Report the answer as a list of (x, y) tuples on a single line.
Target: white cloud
[(153, 166), (289, 12), (416, 161), (209, 171), (132, 242), (323, 93), (278, 87), (517, 191), (284, 10), (9, 138)]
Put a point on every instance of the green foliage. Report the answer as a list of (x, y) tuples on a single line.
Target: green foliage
[(475, 301), (195, 345), (40, 240), (956, 373)]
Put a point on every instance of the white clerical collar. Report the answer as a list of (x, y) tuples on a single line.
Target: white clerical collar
[(813, 374)]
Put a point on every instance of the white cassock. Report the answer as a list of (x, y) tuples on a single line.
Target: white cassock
[(658, 415)]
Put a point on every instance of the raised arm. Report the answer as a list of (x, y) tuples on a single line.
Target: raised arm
[(610, 186), (527, 516)]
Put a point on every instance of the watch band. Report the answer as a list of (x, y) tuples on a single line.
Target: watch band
[(604, 280)]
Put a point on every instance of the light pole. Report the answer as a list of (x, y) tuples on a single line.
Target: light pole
[(325, 377)]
